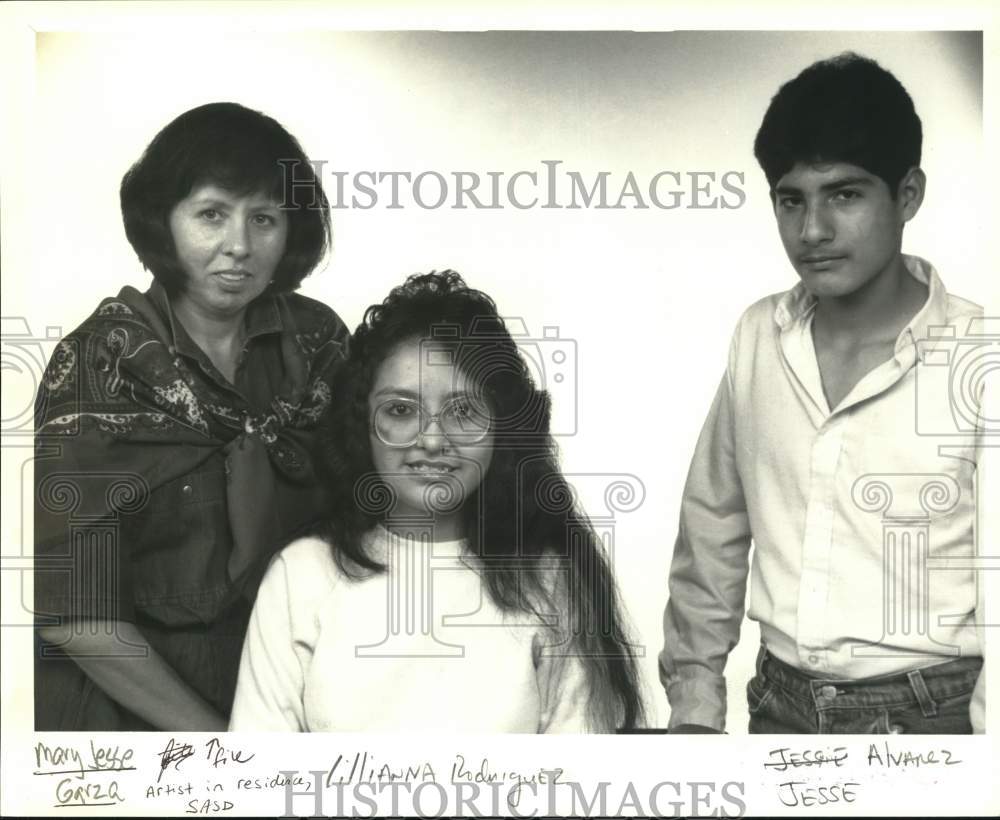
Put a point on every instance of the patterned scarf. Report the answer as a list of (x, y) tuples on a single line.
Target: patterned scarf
[(116, 391)]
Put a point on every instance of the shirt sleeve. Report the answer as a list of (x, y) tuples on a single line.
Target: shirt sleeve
[(708, 574), (83, 490), (269, 689)]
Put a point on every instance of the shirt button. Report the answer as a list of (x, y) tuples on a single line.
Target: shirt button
[(814, 659), (187, 489), (895, 729), (828, 692)]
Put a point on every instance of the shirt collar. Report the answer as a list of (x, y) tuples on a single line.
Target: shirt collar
[(798, 304), (380, 539), (262, 317)]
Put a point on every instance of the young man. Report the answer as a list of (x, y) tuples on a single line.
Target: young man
[(823, 447)]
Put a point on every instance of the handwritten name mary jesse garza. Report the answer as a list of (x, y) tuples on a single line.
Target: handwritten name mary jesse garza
[(72, 768)]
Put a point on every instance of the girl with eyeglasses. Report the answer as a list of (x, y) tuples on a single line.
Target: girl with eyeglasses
[(456, 585)]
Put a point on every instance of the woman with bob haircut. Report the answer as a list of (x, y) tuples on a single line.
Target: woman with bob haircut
[(174, 431), (455, 585)]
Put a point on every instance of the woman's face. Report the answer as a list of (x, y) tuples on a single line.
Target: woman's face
[(415, 400), (229, 246)]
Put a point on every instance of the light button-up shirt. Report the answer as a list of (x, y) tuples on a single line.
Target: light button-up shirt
[(853, 511)]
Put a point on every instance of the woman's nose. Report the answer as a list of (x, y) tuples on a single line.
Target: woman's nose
[(237, 239), (432, 437)]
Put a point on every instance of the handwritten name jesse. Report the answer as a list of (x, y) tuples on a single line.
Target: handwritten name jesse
[(786, 758), (801, 793)]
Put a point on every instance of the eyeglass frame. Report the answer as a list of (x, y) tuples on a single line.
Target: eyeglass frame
[(428, 419)]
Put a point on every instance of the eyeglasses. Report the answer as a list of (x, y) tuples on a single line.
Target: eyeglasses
[(400, 422)]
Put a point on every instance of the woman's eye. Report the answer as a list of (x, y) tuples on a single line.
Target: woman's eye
[(210, 215), (400, 409), (462, 411), (265, 219)]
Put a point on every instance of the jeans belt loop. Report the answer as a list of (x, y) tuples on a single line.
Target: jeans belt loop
[(761, 657), (919, 687)]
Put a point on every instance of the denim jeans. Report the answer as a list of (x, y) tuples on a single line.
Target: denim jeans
[(930, 701)]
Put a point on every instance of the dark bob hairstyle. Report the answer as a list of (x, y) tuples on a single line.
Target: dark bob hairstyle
[(242, 151), (845, 109), (521, 519)]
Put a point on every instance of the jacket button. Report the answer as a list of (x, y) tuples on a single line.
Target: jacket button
[(187, 489), (895, 729)]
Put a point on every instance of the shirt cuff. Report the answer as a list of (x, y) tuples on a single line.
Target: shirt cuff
[(698, 698)]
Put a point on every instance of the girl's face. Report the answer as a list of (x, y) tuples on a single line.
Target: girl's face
[(431, 435)]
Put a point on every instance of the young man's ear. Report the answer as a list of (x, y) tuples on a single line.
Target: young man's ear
[(910, 193)]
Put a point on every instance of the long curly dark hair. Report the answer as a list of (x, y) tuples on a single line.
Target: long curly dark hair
[(522, 519)]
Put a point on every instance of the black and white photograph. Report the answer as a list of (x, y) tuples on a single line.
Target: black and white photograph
[(380, 390)]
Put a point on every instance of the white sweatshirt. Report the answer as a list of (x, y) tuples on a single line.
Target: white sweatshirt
[(320, 655)]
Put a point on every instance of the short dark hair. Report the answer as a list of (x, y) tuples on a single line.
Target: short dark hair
[(238, 149), (844, 109)]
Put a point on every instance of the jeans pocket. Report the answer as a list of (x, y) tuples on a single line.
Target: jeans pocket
[(759, 692), (952, 718)]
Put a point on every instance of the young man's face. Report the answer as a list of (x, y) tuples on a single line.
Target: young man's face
[(840, 225)]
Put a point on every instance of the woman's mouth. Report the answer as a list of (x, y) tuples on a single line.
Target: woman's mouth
[(235, 276), (430, 467)]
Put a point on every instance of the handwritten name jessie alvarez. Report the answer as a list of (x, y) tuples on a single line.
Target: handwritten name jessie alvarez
[(807, 793)]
